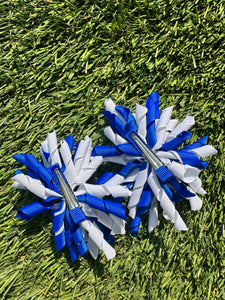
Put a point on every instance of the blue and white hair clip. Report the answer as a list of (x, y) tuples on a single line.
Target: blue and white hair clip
[(82, 218), (162, 170)]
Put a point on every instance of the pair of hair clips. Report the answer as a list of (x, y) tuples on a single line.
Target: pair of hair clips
[(156, 170)]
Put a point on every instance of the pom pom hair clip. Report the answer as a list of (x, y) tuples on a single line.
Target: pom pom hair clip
[(82, 220), (163, 172)]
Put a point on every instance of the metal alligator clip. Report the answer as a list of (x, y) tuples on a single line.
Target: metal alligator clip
[(164, 174), (66, 191), (153, 159)]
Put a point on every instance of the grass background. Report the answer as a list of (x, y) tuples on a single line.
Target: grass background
[(59, 61)]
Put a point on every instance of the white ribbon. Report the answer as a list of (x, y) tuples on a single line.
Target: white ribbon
[(110, 106), (122, 160), (91, 167), (137, 191), (140, 117), (114, 137), (169, 210), (96, 241), (186, 173), (53, 149), (81, 154), (34, 186), (162, 126), (204, 151), (165, 155), (196, 186), (114, 223), (186, 124), (70, 171), (195, 202), (103, 190), (44, 148), (153, 215)]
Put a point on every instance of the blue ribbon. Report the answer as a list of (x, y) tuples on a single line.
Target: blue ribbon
[(116, 123), (31, 210), (106, 206), (201, 142), (36, 168), (116, 150), (46, 154), (130, 124), (106, 232), (74, 238), (71, 142), (59, 218), (152, 105), (105, 177), (177, 141), (171, 193), (142, 207), (131, 166), (192, 159), (60, 240)]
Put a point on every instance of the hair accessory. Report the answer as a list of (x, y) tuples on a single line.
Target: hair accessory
[(82, 218), (165, 171)]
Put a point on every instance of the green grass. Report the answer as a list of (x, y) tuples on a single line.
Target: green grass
[(59, 60)]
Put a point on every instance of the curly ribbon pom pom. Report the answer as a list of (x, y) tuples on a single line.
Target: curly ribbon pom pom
[(165, 172), (83, 220)]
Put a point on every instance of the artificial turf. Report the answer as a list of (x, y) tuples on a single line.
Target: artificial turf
[(59, 60)]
